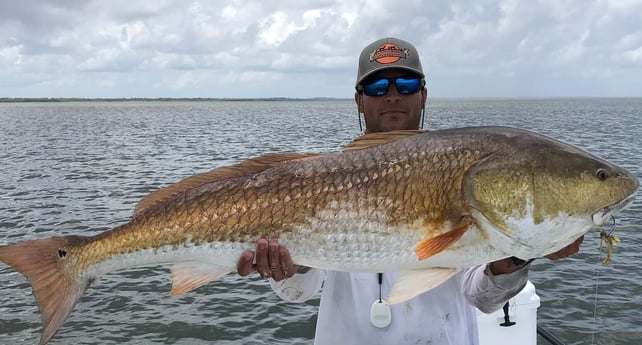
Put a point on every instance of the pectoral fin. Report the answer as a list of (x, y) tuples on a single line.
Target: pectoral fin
[(187, 276), (414, 283), (434, 245)]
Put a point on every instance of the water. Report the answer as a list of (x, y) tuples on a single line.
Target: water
[(79, 168)]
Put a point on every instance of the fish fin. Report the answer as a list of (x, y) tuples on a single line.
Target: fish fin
[(435, 245), (187, 276), (416, 282), (375, 139), (245, 168), (56, 285)]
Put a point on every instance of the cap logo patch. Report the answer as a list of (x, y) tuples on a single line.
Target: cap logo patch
[(388, 53)]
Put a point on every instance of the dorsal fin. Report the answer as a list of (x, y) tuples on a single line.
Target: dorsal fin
[(244, 168), (375, 139)]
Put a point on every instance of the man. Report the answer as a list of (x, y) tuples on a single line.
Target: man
[(391, 95)]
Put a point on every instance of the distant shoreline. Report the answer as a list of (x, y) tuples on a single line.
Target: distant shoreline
[(45, 100), (272, 99)]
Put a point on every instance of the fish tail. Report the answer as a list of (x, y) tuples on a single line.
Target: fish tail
[(57, 283)]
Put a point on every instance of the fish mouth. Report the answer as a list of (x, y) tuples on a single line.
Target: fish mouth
[(607, 212)]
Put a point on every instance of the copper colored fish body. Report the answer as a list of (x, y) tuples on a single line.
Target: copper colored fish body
[(427, 204)]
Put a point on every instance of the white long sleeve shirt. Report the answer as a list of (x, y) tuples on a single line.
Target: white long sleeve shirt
[(443, 315)]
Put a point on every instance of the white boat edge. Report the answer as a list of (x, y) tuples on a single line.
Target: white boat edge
[(494, 329)]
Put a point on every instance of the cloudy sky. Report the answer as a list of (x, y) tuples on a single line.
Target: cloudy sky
[(297, 48)]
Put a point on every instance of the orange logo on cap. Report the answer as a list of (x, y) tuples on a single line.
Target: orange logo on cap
[(388, 53)]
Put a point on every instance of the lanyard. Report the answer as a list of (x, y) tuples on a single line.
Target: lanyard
[(380, 278), (380, 313)]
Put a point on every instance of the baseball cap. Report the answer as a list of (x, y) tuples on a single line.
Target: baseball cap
[(387, 53)]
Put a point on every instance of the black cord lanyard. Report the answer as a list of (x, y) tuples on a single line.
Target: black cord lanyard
[(380, 282)]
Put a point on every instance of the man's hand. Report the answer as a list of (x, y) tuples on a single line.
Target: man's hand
[(272, 261), (505, 266), (567, 251)]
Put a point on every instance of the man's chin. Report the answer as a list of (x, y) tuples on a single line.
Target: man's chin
[(394, 124)]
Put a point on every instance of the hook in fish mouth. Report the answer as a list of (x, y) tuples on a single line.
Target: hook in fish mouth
[(609, 240), (605, 213)]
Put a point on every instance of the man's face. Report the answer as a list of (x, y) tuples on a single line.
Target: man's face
[(393, 110)]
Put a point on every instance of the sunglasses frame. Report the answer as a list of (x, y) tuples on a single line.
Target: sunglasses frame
[(392, 80)]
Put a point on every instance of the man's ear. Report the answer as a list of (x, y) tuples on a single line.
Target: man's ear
[(357, 100)]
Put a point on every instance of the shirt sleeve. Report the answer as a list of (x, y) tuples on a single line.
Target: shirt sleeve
[(300, 287), (490, 292)]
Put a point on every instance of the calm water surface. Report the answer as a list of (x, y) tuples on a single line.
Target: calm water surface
[(79, 168)]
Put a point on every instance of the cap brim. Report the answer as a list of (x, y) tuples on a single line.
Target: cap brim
[(383, 68)]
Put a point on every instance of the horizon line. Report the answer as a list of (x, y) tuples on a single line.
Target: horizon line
[(113, 99)]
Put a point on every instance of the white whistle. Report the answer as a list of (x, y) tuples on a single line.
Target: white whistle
[(380, 314)]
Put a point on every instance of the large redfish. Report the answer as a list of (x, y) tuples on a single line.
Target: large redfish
[(427, 204)]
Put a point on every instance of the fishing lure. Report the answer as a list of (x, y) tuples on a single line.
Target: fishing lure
[(610, 241)]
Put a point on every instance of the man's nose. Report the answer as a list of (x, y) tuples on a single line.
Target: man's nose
[(392, 95)]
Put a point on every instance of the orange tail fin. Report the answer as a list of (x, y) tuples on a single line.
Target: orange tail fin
[(56, 283)]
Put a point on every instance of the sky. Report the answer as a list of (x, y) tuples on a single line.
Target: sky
[(303, 49)]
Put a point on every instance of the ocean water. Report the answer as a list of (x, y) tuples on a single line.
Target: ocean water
[(79, 168)]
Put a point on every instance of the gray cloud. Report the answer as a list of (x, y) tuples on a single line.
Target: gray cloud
[(304, 49)]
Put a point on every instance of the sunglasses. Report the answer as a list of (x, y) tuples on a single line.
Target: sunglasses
[(404, 85)]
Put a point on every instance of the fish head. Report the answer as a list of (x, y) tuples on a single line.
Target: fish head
[(535, 195)]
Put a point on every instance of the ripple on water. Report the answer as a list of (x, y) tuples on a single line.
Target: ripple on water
[(81, 167)]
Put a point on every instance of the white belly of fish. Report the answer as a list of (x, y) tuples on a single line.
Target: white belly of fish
[(372, 247)]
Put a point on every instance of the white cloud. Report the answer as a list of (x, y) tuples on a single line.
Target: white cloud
[(158, 47), (10, 58), (186, 79), (275, 29), (634, 55)]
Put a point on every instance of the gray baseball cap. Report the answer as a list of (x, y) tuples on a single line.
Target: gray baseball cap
[(388, 53)]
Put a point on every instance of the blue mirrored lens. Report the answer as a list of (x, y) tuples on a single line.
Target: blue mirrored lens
[(405, 86), (378, 88)]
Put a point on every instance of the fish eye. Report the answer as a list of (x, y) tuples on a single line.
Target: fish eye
[(601, 174)]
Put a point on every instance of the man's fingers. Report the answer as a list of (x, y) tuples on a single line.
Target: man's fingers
[(287, 267), (274, 260), (262, 259), (579, 241), (244, 265), (567, 251)]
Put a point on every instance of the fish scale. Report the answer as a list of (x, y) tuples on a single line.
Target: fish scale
[(427, 204)]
